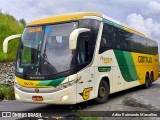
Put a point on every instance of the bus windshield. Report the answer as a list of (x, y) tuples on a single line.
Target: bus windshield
[(44, 50)]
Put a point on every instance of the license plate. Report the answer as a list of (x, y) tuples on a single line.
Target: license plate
[(37, 98)]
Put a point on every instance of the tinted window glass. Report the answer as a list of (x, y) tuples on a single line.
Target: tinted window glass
[(116, 38), (93, 25)]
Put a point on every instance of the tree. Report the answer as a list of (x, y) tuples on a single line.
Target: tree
[(23, 22)]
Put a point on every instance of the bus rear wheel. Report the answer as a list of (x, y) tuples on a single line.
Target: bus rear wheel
[(147, 81), (103, 92), (151, 79)]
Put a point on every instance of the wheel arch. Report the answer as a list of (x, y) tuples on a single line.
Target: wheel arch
[(107, 80)]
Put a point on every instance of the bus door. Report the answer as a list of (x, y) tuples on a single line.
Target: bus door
[(86, 75)]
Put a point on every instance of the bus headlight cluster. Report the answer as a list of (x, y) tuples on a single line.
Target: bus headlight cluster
[(17, 85), (66, 85)]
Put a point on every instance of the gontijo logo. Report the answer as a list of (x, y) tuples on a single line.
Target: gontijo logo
[(144, 59), (86, 93)]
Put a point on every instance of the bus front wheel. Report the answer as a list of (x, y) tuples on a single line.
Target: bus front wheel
[(103, 92)]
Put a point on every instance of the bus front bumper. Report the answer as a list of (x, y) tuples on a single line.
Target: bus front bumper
[(65, 96)]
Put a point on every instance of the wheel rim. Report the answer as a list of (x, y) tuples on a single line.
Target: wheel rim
[(102, 91)]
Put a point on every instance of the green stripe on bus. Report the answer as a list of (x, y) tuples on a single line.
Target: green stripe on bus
[(131, 65), (54, 82), (43, 83), (112, 23), (126, 65), (123, 65)]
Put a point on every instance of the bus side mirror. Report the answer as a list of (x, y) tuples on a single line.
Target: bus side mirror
[(5, 42), (74, 37)]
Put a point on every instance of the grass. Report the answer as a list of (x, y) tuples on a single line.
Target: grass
[(9, 26), (89, 118), (6, 92)]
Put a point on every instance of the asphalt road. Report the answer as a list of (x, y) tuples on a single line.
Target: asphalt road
[(135, 99)]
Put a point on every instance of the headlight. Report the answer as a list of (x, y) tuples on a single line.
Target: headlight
[(17, 85), (66, 85)]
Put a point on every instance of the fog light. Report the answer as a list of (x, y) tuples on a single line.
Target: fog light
[(17, 96), (65, 97)]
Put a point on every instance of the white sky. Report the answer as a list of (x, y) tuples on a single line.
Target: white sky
[(143, 15)]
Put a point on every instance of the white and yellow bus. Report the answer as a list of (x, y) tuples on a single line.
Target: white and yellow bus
[(72, 58)]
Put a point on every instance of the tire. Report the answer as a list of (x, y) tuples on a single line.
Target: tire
[(147, 81), (151, 79), (103, 92)]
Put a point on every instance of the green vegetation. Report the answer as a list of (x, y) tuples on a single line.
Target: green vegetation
[(6, 92), (1, 95), (10, 26), (89, 118)]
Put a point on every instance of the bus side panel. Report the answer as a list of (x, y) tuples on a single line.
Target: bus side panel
[(127, 70), (118, 81), (145, 63), (103, 64), (128, 73), (133, 68)]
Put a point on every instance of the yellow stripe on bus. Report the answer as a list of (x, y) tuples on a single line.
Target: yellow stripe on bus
[(64, 17), (145, 63), (30, 83)]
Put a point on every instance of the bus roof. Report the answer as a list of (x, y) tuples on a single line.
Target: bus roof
[(64, 17), (81, 15)]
